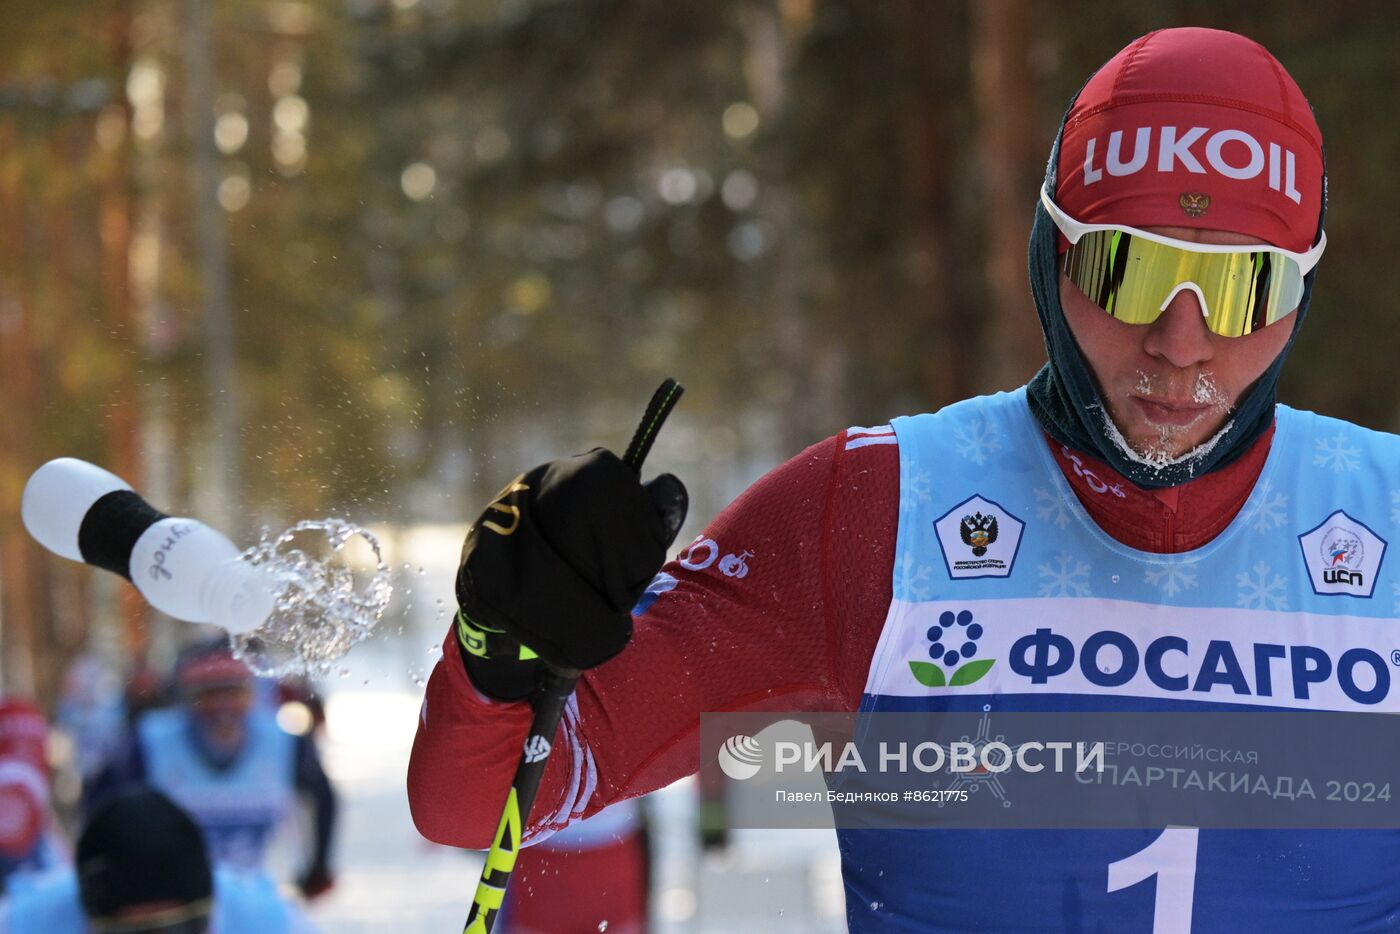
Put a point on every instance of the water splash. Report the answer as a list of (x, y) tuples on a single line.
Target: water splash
[(323, 607)]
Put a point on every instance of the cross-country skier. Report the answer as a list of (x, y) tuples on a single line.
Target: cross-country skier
[(1145, 483), (227, 761), (141, 868), (26, 843)]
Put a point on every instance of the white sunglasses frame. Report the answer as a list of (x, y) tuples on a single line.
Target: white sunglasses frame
[(1074, 230)]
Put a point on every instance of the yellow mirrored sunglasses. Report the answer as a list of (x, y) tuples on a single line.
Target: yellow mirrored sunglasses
[(1133, 275)]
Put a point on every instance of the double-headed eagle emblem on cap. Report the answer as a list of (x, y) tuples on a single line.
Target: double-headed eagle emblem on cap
[(1194, 203), (978, 531)]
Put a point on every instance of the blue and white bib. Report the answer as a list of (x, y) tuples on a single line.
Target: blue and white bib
[(1008, 597), (238, 808)]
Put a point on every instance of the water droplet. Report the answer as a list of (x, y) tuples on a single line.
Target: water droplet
[(1115, 578), (602, 925), (874, 906), (321, 610)]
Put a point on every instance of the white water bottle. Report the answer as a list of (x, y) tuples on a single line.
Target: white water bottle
[(181, 566)]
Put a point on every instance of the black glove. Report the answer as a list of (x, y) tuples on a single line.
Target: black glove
[(552, 568), (315, 882)]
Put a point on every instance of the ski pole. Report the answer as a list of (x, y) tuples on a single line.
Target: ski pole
[(548, 709)]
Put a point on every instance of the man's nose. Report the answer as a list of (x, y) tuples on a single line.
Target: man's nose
[(1180, 335)]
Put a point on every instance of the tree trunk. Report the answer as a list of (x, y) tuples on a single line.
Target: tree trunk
[(22, 607), (224, 451), (1009, 155), (938, 319), (811, 375), (115, 223)]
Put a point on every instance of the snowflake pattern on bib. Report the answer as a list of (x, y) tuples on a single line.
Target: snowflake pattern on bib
[(1295, 569)]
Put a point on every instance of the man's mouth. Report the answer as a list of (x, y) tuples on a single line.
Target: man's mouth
[(1161, 411)]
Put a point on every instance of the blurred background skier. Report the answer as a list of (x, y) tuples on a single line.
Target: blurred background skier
[(142, 868), (222, 756), (26, 841)]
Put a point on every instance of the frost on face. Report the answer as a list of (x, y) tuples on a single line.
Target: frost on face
[(1160, 453)]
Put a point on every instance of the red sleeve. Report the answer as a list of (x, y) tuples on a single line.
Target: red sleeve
[(776, 606)]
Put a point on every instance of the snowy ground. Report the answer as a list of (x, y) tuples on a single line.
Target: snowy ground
[(393, 880), (390, 878)]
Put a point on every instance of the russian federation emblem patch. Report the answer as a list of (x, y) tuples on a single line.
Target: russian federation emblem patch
[(979, 538)]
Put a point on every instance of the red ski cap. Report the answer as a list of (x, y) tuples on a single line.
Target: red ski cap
[(215, 669), (1194, 128)]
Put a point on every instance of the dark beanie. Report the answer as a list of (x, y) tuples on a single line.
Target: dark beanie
[(139, 848)]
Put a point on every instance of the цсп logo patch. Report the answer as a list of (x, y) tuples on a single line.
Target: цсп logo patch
[(1343, 556)]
